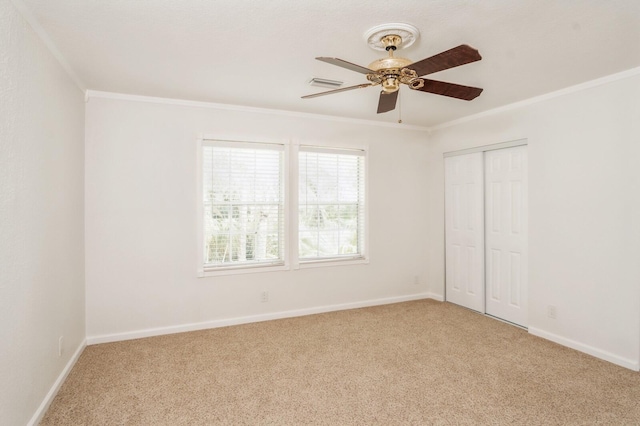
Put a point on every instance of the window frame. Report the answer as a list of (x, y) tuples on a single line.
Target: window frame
[(291, 177), (361, 258), (207, 271)]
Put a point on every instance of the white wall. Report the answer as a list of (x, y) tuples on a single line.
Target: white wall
[(584, 205), (141, 240), (41, 219)]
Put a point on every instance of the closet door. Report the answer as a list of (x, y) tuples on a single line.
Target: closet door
[(506, 234), (464, 234)]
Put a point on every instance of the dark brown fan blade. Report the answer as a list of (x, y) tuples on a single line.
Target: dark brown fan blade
[(452, 90), (451, 58), (345, 64), (387, 101), (344, 89)]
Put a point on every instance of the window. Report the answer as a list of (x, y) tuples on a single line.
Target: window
[(243, 204), (248, 217), (331, 204)]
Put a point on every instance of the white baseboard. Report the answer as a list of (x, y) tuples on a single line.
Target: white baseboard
[(435, 296), (116, 337), (598, 353), (46, 402)]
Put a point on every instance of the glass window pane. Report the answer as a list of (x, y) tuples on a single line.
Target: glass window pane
[(243, 205), (331, 204)]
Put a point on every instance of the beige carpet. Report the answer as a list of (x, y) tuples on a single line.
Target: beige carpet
[(422, 362)]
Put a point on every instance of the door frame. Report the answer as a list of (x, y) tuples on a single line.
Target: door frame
[(481, 148)]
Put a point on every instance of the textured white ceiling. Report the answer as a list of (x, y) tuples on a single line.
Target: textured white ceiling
[(261, 53)]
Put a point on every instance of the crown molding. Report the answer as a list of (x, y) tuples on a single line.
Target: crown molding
[(230, 107), (537, 99), (42, 34)]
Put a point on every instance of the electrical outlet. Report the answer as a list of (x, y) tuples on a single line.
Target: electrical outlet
[(416, 280), (264, 297), (60, 345), (552, 312)]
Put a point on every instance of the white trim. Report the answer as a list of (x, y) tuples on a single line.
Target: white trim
[(367, 206), (230, 107), (333, 261), (42, 34), (435, 296), (159, 331), (199, 207), (346, 145), (331, 150), (227, 143), (242, 269), (537, 99), (46, 402), (483, 148), (293, 196), (590, 350), (286, 204)]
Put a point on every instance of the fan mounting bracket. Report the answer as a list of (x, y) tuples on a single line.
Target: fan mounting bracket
[(407, 33)]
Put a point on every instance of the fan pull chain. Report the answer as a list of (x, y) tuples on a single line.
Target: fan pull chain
[(399, 108)]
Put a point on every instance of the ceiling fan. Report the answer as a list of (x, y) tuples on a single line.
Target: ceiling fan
[(391, 72)]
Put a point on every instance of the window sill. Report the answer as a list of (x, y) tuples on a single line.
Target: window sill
[(331, 262), (237, 270)]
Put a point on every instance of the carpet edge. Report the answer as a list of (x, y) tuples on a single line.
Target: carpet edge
[(225, 322), (587, 349), (53, 391)]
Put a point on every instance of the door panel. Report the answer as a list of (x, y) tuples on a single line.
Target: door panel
[(505, 234), (464, 230)]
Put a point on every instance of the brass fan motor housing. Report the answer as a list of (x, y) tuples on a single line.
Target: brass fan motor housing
[(391, 72), (389, 63)]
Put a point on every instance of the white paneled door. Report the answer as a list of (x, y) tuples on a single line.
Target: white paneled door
[(486, 232), (464, 251), (506, 234)]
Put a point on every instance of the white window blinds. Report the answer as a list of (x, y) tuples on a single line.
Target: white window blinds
[(243, 195), (331, 203)]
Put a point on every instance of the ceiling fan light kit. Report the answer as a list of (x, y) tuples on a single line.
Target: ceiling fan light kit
[(391, 72)]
